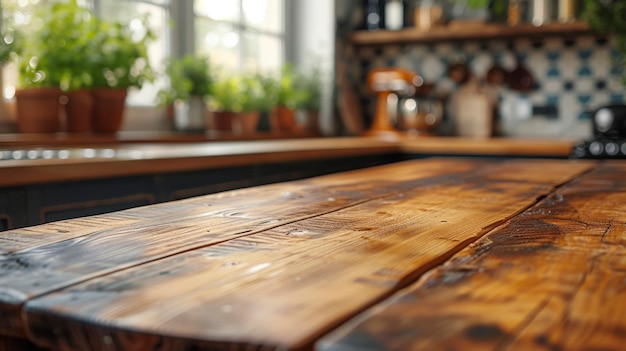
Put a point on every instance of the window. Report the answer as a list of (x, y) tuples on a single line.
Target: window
[(235, 34), (159, 12), (241, 34)]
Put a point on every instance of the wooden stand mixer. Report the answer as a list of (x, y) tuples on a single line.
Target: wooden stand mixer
[(385, 82)]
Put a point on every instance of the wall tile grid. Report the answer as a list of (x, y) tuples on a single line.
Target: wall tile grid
[(573, 77)]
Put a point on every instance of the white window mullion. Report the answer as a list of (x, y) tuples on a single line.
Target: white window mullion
[(241, 30)]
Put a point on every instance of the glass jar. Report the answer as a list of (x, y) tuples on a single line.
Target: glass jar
[(428, 13)]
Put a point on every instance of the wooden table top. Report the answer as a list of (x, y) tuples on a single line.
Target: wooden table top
[(437, 253)]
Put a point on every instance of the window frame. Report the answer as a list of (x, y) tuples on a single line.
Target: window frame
[(242, 28)]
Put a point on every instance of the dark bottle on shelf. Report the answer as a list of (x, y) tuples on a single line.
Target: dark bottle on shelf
[(374, 14)]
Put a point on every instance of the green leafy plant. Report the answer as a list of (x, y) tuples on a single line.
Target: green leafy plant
[(71, 48), (286, 90), (190, 75), (119, 56), (238, 93), (497, 7), (53, 55), (609, 16), (310, 82), (10, 41)]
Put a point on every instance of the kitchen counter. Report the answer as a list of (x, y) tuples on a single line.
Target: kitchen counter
[(66, 158), (436, 253)]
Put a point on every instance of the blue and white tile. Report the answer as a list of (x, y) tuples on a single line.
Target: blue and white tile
[(553, 44), (585, 85), (432, 68)]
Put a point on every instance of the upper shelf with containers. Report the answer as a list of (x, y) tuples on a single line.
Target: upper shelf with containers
[(424, 21)]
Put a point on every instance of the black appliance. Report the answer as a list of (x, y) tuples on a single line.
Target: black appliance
[(609, 134)]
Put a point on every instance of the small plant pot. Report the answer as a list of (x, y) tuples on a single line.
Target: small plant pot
[(38, 110), (108, 109), (238, 123), (190, 115), (308, 121), (245, 123), (283, 120), (79, 111)]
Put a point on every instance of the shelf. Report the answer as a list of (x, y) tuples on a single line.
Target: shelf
[(470, 31)]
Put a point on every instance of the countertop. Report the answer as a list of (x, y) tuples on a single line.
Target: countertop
[(29, 159), (437, 253)]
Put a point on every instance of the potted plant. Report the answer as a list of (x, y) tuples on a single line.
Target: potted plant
[(118, 60), (71, 27), (90, 60), (287, 97), (190, 84), (236, 102), (311, 83), (41, 72)]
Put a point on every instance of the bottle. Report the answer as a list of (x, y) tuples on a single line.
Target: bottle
[(428, 14), (394, 14), (542, 12), (374, 15), (516, 12), (567, 10)]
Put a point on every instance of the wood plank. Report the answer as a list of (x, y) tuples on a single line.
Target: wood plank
[(142, 159), (552, 278), (459, 32), (37, 260), (284, 287)]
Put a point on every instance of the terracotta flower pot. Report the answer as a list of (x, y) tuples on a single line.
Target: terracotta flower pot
[(245, 123), (221, 120), (108, 109), (38, 110), (283, 120), (79, 111), (239, 123)]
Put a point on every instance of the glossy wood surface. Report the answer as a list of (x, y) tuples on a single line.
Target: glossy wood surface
[(551, 278), (271, 267), (141, 158)]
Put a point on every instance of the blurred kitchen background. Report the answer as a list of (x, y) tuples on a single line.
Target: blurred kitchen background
[(572, 73)]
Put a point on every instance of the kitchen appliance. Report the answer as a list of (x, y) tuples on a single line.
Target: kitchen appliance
[(388, 84), (421, 113), (609, 134)]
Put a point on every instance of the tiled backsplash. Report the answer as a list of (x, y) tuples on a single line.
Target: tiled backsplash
[(573, 77)]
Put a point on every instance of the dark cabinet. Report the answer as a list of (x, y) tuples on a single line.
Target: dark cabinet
[(42, 203)]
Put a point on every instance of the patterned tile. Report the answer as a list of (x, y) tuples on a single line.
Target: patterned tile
[(576, 76)]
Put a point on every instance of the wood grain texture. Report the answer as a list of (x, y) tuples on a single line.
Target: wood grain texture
[(552, 278), (37, 260), (284, 286)]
